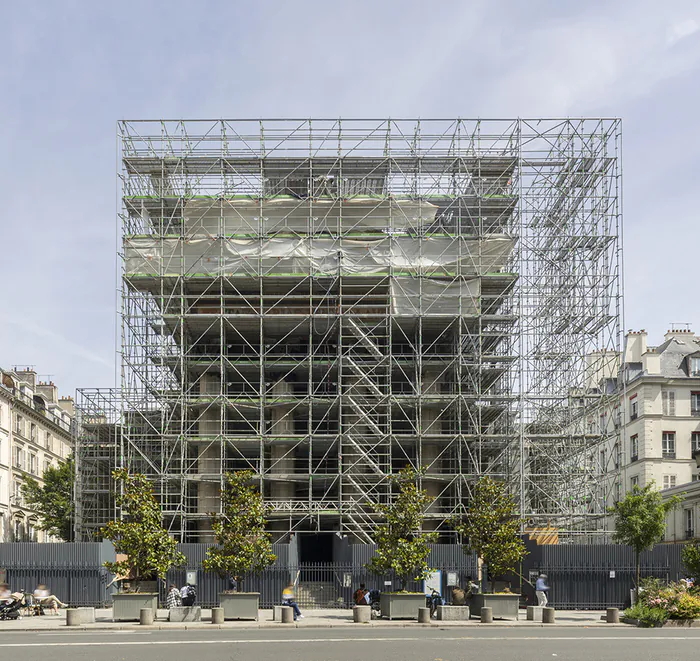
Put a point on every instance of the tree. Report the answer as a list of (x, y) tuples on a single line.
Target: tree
[(402, 548), (243, 544), (640, 520), (53, 500), (690, 555), (139, 534), (491, 527)]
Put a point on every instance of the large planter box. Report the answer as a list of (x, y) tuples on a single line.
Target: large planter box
[(126, 606), (401, 605), (504, 606), (240, 605)]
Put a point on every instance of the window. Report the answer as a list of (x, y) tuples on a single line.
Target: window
[(695, 441), (689, 530), (634, 407), (32, 464), (17, 457), (668, 402), (668, 445), (634, 448), (47, 465), (603, 422), (695, 366), (19, 425), (32, 432), (695, 403), (602, 461), (634, 482), (617, 417), (616, 454), (669, 481), (17, 491)]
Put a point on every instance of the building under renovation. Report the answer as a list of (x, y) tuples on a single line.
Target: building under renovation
[(324, 302)]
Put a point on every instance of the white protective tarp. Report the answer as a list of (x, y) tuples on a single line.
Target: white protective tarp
[(396, 254), (285, 213), (426, 296)]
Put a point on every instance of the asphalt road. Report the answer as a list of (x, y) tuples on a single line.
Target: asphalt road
[(497, 644)]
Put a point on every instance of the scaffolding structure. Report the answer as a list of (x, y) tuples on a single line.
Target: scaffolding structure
[(324, 302)]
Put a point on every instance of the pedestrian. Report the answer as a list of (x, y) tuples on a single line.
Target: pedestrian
[(233, 583), (188, 594), (361, 596), (5, 593), (472, 587), (174, 598), (43, 597), (288, 600), (541, 589)]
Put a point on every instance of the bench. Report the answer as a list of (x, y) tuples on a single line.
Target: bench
[(185, 614), (452, 613)]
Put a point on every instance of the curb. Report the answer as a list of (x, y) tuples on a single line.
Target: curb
[(205, 626)]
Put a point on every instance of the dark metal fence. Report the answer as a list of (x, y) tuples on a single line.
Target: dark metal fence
[(596, 576), (580, 576)]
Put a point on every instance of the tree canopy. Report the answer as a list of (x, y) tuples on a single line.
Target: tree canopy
[(491, 526), (640, 519), (243, 543), (139, 534), (53, 500), (402, 546)]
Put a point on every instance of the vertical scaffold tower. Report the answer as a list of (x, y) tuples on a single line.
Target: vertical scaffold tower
[(324, 302)]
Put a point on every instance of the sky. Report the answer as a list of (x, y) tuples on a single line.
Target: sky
[(70, 70)]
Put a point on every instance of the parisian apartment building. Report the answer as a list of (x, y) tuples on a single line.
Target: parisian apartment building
[(36, 428), (653, 428)]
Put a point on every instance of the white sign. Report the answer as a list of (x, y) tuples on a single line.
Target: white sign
[(452, 578), (433, 582), (347, 580), (612, 573), (387, 583), (191, 578)]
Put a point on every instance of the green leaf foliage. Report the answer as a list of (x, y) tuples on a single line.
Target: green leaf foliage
[(139, 533), (402, 547), (690, 555), (491, 526), (244, 546), (640, 519), (53, 500)]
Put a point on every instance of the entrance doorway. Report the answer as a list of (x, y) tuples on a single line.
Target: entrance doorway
[(315, 549)]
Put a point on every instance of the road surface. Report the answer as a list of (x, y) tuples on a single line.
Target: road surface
[(454, 644)]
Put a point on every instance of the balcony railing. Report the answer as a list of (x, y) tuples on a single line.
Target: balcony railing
[(668, 454), (690, 533)]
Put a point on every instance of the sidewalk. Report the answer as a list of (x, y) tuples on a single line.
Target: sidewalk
[(321, 618)]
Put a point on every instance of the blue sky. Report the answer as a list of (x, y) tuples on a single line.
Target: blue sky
[(70, 70)]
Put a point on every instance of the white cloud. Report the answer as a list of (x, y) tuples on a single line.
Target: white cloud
[(681, 30)]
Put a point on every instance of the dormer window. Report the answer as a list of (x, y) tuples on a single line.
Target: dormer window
[(694, 365)]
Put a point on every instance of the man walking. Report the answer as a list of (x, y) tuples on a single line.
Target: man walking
[(541, 589)]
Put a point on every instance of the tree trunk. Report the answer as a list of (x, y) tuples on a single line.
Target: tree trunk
[(639, 562)]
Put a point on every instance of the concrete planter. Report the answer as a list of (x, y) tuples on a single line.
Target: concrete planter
[(504, 606), (240, 605), (401, 605), (126, 606)]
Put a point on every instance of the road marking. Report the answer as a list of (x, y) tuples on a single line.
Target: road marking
[(287, 641)]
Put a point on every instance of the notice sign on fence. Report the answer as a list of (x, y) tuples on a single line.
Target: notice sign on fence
[(612, 573)]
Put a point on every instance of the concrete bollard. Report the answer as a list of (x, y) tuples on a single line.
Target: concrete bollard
[(287, 615), (547, 615), (487, 614), (361, 614), (146, 616), (424, 615), (73, 618), (217, 615), (612, 616)]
